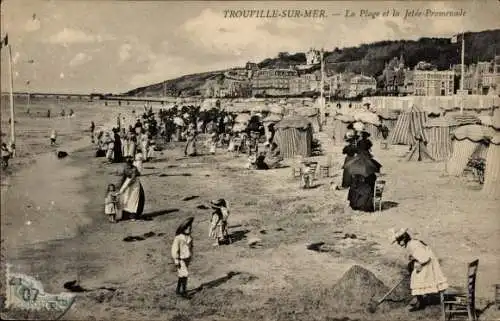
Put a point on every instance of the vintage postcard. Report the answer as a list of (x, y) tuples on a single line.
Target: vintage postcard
[(240, 161)]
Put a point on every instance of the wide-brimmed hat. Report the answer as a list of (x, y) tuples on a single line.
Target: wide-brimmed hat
[(184, 225), (218, 203), (365, 134), (397, 234)]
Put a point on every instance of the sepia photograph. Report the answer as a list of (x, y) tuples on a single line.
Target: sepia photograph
[(250, 160)]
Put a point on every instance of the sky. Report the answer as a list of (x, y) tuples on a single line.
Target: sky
[(82, 46)]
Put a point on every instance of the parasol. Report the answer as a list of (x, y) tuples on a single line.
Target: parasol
[(363, 166)]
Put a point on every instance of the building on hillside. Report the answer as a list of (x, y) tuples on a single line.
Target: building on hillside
[(251, 68), (407, 88), (361, 84), (273, 82), (304, 83), (313, 57), (339, 84), (394, 75), (434, 82), (423, 65)]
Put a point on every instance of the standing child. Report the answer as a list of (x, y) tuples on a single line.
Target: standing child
[(182, 251), (218, 222), (111, 203)]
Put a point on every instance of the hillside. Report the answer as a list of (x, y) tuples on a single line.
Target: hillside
[(368, 59)]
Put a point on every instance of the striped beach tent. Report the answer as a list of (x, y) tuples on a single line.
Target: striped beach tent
[(439, 132), (410, 124), (340, 124), (294, 136), (491, 184), (468, 141)]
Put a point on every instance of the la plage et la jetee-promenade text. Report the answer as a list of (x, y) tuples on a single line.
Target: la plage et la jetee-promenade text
[(321, 13)]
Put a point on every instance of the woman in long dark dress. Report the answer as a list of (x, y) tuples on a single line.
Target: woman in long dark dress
[(360, 194), (117, 148), (364, 146), (132, 197)]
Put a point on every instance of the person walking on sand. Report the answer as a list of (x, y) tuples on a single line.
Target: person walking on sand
[(426, 275), (6, 154), (182, 252), (53, 137)]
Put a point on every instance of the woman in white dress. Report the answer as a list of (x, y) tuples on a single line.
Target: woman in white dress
[(132, 197), (426, 275)]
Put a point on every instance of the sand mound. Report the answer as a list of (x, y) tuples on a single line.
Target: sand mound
[(356, 288)]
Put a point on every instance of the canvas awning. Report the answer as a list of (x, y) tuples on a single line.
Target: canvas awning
[(473, 132), (293, 122)]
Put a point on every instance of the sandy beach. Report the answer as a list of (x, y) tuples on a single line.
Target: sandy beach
[(281, 279)]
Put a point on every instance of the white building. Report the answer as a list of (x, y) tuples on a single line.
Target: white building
[(313, 57), (360, 84), (434, 82)]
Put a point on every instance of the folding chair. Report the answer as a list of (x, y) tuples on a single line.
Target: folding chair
[(378, 192), (457, 300), (297, 167), (324, 169)]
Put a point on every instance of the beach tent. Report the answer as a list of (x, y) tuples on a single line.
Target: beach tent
[(467, 141), (410, 124), (294, 136), (491, 184), (370, 122), (439, 132), (419, 152), (340, 123), (312, 114)]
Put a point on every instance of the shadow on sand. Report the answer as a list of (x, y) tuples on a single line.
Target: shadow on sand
[(388, 205), (238, 235), (213, 283)]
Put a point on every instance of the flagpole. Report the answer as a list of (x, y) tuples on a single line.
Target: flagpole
[(12, 121), (322, 85), (462, 72)]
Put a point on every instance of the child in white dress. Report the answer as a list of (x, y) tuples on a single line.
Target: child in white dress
[(111, 203)]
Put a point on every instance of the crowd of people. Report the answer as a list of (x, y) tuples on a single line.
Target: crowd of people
[(136, 144)]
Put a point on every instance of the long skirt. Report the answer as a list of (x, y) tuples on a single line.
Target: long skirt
[(360, 194), (144, 149), (133, 198), (346, 176), (190, 149), (110, 151)]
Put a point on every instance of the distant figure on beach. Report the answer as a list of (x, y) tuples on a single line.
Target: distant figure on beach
[(63, 113), (48, 113), (71, 112), (131, 192), (53, 137), (92, 129), (6, 154), (111, 203)]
